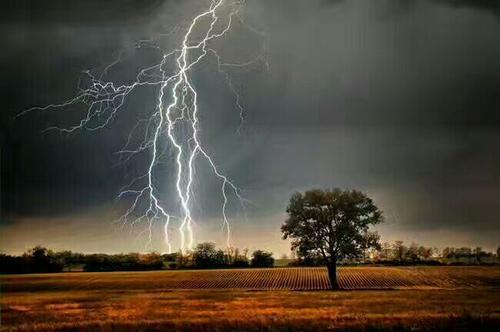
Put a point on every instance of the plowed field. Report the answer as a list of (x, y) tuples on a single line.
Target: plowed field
[(264, 279), (279, 299)]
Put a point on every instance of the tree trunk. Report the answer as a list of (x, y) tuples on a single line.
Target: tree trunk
[(332, 275)]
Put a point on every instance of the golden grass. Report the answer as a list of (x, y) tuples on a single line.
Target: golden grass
[(104, 302), (250, 310)]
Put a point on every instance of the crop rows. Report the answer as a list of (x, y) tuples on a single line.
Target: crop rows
[(349, 278), (264, 279)]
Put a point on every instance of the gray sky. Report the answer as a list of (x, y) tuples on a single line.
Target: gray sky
[(399, 99)]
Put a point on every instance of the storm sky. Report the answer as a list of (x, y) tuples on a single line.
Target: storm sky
[(400, 99)]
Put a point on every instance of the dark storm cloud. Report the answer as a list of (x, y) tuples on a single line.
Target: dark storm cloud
[(79, 12), (354, 66), (492, 6), (406, 105), (399, 98), (49, 44)]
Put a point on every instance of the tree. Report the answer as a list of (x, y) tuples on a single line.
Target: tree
[(448, 252), (479, 253), (150, 261), (42, 260), (425, 253), (235, 258), (262, 258), (399, 250), (183, 259), (332, 223), (207, 256), (368, 250), (385, 251), (412, 252)]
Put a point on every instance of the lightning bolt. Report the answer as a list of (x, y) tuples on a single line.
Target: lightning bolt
[(175, 123)]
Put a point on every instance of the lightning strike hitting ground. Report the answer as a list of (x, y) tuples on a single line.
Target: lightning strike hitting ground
[(175, 123)]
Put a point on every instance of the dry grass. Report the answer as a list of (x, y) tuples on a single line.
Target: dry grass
[(105, 302)]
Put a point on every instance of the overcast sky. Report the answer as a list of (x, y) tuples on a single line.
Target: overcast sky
[(400, 99)]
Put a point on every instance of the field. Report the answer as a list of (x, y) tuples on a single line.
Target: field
[(428, 298)]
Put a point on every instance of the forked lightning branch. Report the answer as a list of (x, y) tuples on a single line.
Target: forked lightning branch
[(175, 123)]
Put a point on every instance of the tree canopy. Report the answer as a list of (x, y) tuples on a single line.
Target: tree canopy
[(262, 258), (334, 224)]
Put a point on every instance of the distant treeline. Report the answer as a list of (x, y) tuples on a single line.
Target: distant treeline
[(398, 253), (204, 256), (207, 256)]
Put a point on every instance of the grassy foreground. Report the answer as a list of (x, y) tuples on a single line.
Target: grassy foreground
[(92, 304), (219, 310)]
